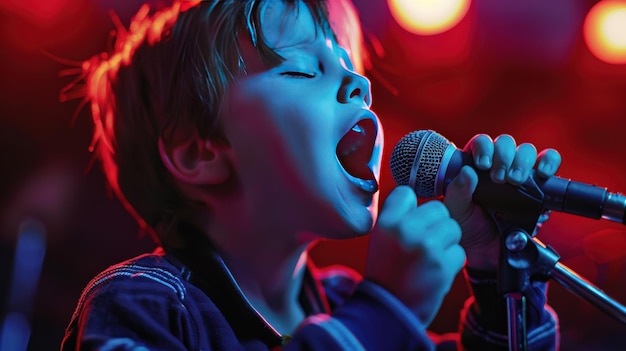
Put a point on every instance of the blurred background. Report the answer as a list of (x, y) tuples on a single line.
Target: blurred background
[(548, 72)]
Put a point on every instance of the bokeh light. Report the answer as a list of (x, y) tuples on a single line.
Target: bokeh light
[(428, 17), (605, 31)]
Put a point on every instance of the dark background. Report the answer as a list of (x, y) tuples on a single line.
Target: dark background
[(509, 67)]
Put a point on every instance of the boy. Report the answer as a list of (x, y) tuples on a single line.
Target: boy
[(238, 133)]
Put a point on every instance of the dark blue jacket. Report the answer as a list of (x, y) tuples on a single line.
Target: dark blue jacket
[(156, 302)]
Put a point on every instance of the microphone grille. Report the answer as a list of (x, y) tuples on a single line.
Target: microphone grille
[(416, 160)]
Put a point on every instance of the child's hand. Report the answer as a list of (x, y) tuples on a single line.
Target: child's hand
[(414, 252), (506, 162)]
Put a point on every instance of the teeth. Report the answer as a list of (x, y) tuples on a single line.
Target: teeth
[(355, 149), (357, 128), (355, 137)]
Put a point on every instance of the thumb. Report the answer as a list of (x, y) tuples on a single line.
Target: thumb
[(401, 200), (459, 193)]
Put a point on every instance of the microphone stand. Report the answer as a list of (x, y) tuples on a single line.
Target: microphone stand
[(516, 211), (584, 289)]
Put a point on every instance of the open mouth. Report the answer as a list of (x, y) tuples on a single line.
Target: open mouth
[(355, 149)]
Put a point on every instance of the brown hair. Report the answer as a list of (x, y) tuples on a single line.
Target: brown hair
[(169, 68)]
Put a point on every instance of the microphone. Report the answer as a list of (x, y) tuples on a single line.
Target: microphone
[(427, 162)]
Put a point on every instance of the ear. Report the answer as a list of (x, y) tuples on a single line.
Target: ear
[(194, 160)]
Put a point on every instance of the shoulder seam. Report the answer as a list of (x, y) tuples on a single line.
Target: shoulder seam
[(159, 275)]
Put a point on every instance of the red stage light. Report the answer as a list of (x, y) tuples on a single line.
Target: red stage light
[(42, 12)]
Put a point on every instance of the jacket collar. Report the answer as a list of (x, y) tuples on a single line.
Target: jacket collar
[(201, 265)]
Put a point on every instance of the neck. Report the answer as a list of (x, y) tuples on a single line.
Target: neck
[(266, 257), (272, 285)]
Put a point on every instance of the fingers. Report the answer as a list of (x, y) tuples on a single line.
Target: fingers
[(522, 164), (508, 162), (401, 215), (503, 155), (399, 202), (459, 193), (456, 257), (433, 219), (419, 245), (549, 162), (481, 147)]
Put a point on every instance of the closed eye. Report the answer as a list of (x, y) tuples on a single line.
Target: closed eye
[(298, 74)]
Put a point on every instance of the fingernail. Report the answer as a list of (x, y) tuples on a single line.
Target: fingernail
[(544, 167), (484, 161), (499, 174), (515, 174)]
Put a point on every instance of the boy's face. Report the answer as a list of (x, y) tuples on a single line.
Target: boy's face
[(306, 147)]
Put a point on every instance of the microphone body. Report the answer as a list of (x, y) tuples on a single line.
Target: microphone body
[(428, 162)]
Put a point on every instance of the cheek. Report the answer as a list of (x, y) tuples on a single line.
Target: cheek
[(255, 109), (247, 120), (266, 147), (287, 134), (293, 141)]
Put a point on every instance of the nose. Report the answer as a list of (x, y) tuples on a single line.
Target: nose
[(355, 89)]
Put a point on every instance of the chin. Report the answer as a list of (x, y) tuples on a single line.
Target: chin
[(361, 219), (362, 224), (350, 228)]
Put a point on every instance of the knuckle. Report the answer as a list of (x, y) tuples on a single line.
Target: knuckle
[(405, 193), (506, 139), (483, 138), (527, 153), (553, 155), (454, 258), (455, 228), (437, 208), (410, 232)]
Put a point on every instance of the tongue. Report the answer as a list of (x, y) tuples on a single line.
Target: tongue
[(355, 150)]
